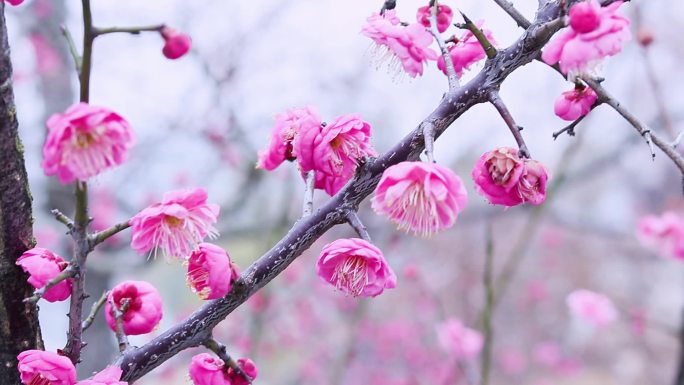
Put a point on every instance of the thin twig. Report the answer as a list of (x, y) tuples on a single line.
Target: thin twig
[(72, 48), (479, 35), (222, 352), (68, 272), (570, 128), (121, 337), (63, 219), (429, 138), (309, 193), (508, 7), (358, 226), (500, 106), (448, 62), (101, 236), (131, 30), (94, 310)]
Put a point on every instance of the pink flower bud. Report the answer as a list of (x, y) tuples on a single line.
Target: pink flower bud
[(444, 16), (573, 104), (504, 179), (248, 367), (594, 308), (84, 141), (461, 342), (109, 376), (287, 128), (176, 44), (144, 307), (37, 367), (356, 267), (645, 36), (420, 197), (210, 271), (176, 224), (42, 265), (584, 16), (207, 370)]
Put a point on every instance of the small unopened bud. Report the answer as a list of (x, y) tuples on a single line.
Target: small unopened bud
[(645, 36)]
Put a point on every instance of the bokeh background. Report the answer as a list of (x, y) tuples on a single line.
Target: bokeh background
[(200, 120)]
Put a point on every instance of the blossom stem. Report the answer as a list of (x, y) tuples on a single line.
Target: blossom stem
[(309, 193), (448, 62), (63, 219), (358, 226), (500, 106), (488, 308), (101, 236), (222, 352), (121, 337), (94, 310), (131, 30), (86, 60), (479, 35), (72, 48), (67, 273)]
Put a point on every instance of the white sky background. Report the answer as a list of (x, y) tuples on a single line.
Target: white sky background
[(311, 52)]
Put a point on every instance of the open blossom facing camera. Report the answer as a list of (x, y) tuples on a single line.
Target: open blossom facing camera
[(503, 178), (84, 141), (109, 376), (663, 235), (176, 44), (573, 104), (594, 33), (287, 127), (42, 265), (211, 273), (144, 307), (458, 340), (356, 267), (594, 308), (176, 224), (444, 16), (406, 47), (466, 51), (420, 197), (37, 367)]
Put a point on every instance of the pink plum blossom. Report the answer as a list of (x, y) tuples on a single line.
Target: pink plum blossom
[(176, 224), (37, 367), (84, 141), (287, 127), (207, 370), (573, 104), (594, 308), (176, 44), (43, 265), (109, 376), (663, 234), (503, 178), (144, 307), (420, 197), (211, 273), (407, 47), (248, 368), (331, 184), (14, 2), (594, 33), (356, 267), (466, 51), (444, 16), (458, 340)]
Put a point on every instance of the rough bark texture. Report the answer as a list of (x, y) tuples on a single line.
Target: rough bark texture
[(19, 329), (191, 332)]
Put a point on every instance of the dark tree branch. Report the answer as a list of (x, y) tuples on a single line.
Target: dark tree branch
[(197, 328), (500, 106), (19, 329)]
